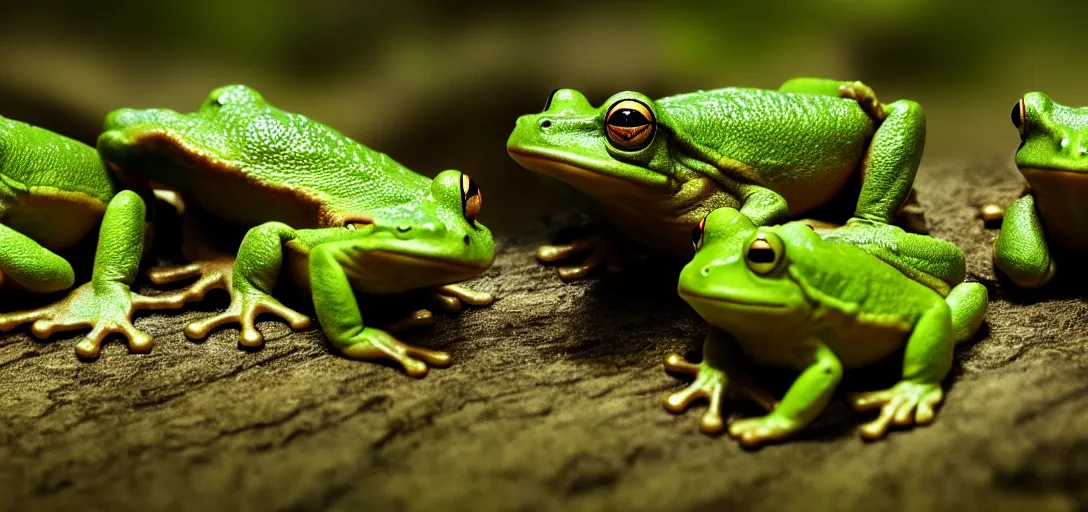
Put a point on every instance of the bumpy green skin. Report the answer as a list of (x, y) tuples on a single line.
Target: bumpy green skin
[(1053, 216), (822, 307), (54, 192), (771, 154), (334, 214)]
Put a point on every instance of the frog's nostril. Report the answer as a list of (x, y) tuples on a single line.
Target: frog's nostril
[(545, 124), (467, 240), (706, 270)]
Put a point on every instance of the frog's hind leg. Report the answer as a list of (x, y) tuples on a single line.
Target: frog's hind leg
[(926, 362), (889, 166), (340, 318), (105, 304), (1020, 251)]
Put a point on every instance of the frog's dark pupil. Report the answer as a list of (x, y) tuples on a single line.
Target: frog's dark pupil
[(696, 235), (1016, 115), (627, 118), (473, 190), (761, 255)]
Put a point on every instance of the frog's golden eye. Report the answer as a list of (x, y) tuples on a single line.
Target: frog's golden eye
[(1018, 119), (764, 254), (630, 125), (697, 234), (471, 199)]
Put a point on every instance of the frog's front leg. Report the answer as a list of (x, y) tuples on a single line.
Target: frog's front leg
[(340, 318), (720, 356), (254, 277), (105, 304), (32, 267), (603, 249), (1020, 251), (804, 401), (926, 362)]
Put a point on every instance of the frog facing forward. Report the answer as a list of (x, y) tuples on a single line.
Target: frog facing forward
[(1050, 219), (654, 168), (322, 210), (785, 296)]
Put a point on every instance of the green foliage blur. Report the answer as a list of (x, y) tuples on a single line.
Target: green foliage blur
[(438, 84)]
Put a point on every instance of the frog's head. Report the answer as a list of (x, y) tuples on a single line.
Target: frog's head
[(216, 131), (739, 274), (435, 241), (1054, 139), (619, 148)]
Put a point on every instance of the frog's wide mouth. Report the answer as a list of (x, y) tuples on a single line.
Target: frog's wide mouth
[(586, 174), (733, 302), (1032, 172), (418, 259)]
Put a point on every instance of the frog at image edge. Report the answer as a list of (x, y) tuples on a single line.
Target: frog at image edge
[(330, 213), (653, 169), (1051, 218), (787, 296), (54, 193)]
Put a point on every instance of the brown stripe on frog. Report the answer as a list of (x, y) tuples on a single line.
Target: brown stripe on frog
[(224, 188)]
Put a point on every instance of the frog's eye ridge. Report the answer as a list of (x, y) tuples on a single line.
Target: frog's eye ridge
[(697, 234), (630, 125), (764, 254), (471, 199), (1018, 116)]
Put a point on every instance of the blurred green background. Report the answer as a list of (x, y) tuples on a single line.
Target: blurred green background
[(438, 84)]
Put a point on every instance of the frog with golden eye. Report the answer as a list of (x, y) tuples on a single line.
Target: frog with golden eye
[(321, 210), (653, 168)]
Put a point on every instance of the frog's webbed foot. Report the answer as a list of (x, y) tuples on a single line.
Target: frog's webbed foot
[(374, 344), (751, 432), (904, 405), (712, 384), (866, 98), (214, 274), (105, 308), (603, 253), (245, 307), (451, 297)]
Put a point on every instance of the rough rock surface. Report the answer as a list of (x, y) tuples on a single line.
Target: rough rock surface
[(554, 403)]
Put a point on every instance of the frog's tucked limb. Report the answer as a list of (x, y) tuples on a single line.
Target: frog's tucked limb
[(31, 266), (936, 263), (1021, 250), (105, 304)]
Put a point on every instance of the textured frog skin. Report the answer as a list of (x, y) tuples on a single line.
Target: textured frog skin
[(320, 208), (1051, 219), (771, 154), (785, 296), (54, 192), (288, 167)]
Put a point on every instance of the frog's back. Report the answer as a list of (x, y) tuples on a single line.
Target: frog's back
[(36, 160), (274, 165), (796, 144), (870, 306)]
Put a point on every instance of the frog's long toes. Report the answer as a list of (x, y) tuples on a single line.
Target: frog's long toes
[(415, 319), (679, 401), (677, 363), (250, 337), (44, 328), (199, 329), (434, 358), (172, 274), (469, 296), (446, 303)]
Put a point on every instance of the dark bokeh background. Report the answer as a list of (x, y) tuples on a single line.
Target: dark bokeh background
[(438, 84)]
